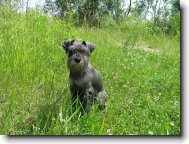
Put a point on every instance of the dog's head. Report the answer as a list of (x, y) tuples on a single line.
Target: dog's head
[(78, 53)]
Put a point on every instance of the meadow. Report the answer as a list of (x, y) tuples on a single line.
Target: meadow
[(141, 73)]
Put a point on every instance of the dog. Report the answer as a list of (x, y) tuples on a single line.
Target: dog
[(86, 84)]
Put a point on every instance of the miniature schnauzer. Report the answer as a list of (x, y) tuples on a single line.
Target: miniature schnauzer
[(86, 85)]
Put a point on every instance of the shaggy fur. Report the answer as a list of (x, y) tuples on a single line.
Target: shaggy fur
[(86, 85)]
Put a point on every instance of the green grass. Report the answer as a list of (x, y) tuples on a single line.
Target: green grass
[(143, 85)]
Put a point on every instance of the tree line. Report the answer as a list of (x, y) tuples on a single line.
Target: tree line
[(163, 14)]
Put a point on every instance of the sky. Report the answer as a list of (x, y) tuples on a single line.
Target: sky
[(33, 3)]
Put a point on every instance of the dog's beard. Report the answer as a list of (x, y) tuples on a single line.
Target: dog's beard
[(76, 67)]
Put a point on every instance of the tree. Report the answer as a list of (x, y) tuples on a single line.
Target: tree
[(129, 9), (50, 7), (87, 12)]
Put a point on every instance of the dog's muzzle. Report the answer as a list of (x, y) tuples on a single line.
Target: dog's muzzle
[(76, 63), (77, 58)]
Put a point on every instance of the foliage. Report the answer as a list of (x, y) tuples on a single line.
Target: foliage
[(87, 12), (165, 15)]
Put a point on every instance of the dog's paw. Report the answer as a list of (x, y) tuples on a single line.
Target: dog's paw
[(101, 99), (90, 92)]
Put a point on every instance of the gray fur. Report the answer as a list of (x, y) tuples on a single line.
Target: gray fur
[(85, 82)]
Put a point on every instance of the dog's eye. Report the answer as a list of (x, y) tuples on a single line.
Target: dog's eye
[(83, 52), (71, 52), (80, 51)]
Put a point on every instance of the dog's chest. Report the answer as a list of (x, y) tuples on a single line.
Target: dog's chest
[(83, 81), (80, 82)]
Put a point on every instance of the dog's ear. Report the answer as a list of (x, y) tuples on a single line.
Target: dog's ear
[(84, 43), (91, 46), (67, 43)]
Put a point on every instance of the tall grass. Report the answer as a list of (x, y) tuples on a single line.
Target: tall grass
[(143, 85)]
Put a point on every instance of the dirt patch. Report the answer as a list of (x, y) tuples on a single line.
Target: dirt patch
[(147, 49), (141, 47)]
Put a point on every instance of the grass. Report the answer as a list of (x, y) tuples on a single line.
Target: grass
[(143, 85)]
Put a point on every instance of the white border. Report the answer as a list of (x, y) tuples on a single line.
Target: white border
[(135, 140)]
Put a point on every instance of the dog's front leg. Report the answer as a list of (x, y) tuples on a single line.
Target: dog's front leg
[(90, 95)]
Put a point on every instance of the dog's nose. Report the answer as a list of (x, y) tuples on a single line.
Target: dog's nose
[(77, 60)]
